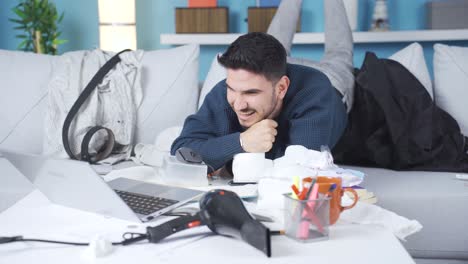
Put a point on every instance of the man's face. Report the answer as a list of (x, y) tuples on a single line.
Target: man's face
[(253, 97)]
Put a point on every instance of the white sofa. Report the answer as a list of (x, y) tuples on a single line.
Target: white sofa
[(169, 82), (170, 86)]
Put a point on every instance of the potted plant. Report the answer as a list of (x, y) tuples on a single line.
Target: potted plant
[(38, 20)]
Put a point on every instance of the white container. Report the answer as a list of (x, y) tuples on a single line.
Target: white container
[(351, 7), (174, 172), (249, 167)]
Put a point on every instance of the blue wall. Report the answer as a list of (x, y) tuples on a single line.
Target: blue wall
[(80, 26)]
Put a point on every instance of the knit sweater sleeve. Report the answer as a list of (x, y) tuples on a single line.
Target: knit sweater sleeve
[(210, 133)]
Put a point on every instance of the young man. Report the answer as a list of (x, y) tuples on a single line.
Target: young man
[(266, 104)]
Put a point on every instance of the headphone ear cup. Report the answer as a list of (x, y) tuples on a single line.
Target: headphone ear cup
[(103, 152)]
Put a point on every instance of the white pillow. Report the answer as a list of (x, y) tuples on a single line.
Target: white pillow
[(451, 82), (170, 90), (215, 75), (412, 57), (24, 78)]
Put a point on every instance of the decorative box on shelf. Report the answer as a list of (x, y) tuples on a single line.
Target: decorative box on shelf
[(259, 19), (447, 14), (202, 3), (202, 20)]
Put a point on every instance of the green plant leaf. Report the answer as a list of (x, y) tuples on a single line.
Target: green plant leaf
[(38, 15), (19, 13), (21, 27), (61, 17), (59, 41), (16, 20), (22, 44)]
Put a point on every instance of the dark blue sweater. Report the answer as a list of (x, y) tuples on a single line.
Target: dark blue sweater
[(312, 115)]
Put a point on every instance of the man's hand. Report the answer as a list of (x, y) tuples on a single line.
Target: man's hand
[(260, 136)]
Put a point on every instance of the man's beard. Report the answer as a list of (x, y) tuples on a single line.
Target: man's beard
[(253, 112), (268, 115)]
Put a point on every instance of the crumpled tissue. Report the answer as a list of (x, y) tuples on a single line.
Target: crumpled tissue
[(365, 213), (301, 162), (153, 154), (300, 155), (98, 247)]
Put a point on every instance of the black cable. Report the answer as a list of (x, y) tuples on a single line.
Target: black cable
[(51, 241), (4, 240), (128, 237)]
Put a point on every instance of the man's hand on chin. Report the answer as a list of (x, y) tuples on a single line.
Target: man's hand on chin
[(260, 136)]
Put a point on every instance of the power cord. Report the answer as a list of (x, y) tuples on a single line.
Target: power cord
[(5, 240), (153, 234), (128, 237)]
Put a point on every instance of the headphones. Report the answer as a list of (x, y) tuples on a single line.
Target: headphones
[(110, 144)]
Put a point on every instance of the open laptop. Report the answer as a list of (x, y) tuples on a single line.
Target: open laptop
[(75, 184)]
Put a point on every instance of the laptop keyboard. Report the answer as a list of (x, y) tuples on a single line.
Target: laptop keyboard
[(144, 204)]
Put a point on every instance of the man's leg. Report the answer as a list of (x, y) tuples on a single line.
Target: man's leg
[(337, 62), (284, 23)]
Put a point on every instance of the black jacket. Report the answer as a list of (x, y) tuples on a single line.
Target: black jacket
[(395, 124)]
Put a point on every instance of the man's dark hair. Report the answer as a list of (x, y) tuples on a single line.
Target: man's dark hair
[(256, 52)]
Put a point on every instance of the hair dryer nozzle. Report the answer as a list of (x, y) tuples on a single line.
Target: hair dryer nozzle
[(224, 213), (257, 235)]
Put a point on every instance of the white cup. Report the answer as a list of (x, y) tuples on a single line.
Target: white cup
[(249, 167)]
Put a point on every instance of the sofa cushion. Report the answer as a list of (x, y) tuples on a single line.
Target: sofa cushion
[(169, 83), (215, 74), (412, 57), (450, 82), (170, 90), (24, 80), (14, 187)]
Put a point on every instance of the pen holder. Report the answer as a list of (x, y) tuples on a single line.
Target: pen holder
[(307, 220)]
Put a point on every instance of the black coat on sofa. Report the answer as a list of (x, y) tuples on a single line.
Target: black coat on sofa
[(395, 124)]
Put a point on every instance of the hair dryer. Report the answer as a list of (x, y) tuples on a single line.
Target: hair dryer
[(224, 213)]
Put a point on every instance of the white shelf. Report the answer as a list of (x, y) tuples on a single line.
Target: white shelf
[(318, 38)]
